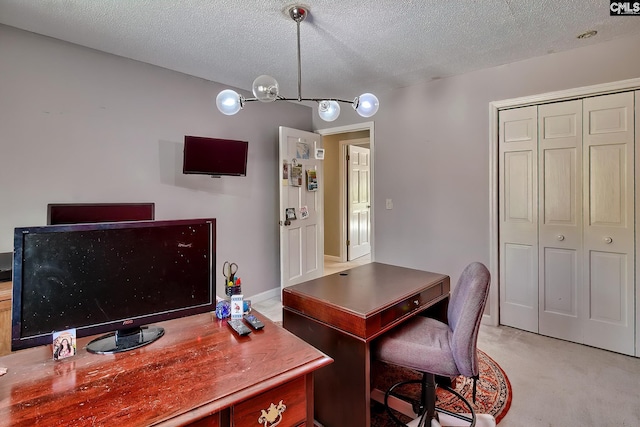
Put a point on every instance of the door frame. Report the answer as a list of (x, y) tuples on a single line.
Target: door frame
[(494, 254), (343, 223), (344, 196)]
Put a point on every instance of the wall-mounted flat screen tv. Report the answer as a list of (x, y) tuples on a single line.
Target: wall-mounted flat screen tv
[(79, 213), (112, 278), (213, 156)]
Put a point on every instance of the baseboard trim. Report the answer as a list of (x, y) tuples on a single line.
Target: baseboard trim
[(266, 295)]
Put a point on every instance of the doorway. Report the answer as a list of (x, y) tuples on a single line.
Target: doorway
[(331, 266), (336, 142)]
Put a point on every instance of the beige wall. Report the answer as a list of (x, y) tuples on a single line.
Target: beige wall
[(331, 164), (77, 125), (432, 152)]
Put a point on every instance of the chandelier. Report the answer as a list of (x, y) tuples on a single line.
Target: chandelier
[(265, 89)]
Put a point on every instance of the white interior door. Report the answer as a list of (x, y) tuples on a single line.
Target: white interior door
[(609, 221), (560, 214), (518, 210), (302, 234), (359, 201)]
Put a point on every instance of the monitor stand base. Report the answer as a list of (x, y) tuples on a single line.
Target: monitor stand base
[(124, 340)]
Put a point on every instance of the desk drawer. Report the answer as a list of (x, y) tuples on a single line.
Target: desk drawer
[(269, 407), (210, 421), (411, 304)]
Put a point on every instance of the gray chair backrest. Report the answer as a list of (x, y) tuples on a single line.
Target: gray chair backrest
[(466, 307)]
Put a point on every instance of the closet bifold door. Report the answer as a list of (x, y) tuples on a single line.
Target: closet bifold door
[(560, 219), (608, 209), (518, 217)]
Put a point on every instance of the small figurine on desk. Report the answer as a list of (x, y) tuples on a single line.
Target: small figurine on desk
[(223, 309)]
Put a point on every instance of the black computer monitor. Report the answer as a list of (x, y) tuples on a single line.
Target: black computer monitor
[(110, 277)]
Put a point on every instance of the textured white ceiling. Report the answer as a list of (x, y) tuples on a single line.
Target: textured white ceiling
[(348, 46)]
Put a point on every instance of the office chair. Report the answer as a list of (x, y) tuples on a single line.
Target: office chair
[(436, 348)]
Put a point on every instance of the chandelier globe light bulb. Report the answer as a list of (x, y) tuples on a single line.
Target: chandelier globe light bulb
[(328, 110), (366, 104), (229, 102), (265, 88)]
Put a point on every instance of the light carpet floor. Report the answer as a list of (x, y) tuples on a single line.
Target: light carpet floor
[(555, 383)]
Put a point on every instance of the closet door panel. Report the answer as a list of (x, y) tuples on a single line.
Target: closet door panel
[(609, 221), (560, 233), (607, 195), (606, 302), (520, 267), (559, 202), (519, 200), (518, 218), (560, 283)]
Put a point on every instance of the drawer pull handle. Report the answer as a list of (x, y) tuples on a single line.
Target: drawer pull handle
[(416, 302), (272, 416)]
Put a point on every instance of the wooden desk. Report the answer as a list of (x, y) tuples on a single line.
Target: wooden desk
[(6, 289), (199, 373), (342, 314)]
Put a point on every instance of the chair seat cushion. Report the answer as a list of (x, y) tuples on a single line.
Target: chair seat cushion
[(421, 343)]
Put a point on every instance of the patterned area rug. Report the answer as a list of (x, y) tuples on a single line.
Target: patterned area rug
[(493, 391)]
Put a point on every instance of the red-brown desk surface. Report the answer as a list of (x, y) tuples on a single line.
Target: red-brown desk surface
[(342, 313), (198, 368)]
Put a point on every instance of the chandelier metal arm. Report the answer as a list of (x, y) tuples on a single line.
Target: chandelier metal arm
[(281, 98), (315, 99)]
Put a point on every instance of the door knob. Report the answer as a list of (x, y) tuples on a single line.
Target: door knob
[(560, 237), (607, 240)]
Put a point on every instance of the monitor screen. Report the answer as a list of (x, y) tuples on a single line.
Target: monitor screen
[(212, 156), (78, 213), (106, 277)]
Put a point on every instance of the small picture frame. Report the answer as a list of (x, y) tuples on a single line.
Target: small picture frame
[(290, 213), (237, 307), (302, 150), (312, 180), (296, 175), (304, 212), (319, 153), (64, 344)]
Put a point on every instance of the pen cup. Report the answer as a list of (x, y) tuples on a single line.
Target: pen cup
[(230, 290)]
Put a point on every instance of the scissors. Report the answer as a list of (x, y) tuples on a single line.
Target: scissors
[(229, 270)]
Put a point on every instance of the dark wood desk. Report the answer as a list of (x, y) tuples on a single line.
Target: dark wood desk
[(342, 314), (199, 373)]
